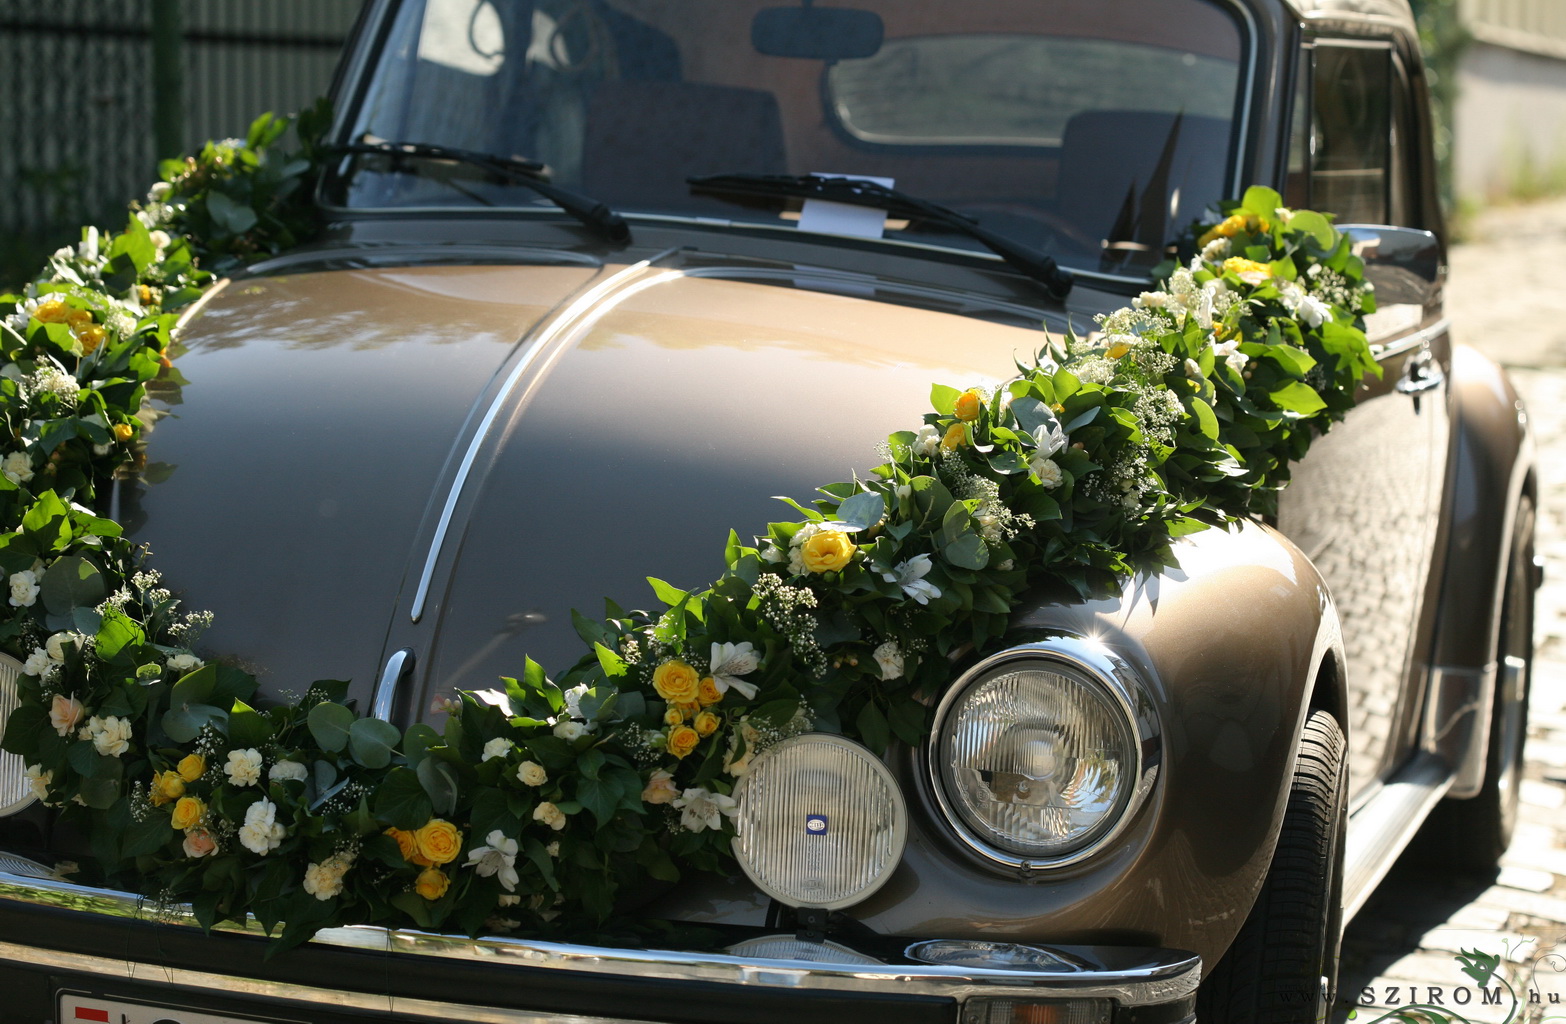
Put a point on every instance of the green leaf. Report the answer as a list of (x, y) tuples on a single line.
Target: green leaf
[(873, 728), (668, 593), (372, 741), (246, 727), (329, 724), (943, 399), (439, 783), (1298, 397), (116, 634), (968, 552), (861, 511), (610, 661), (1294, 361), (1206, 420), (72, 582), (401, 801), (229, 215), (184, 722), (1316, 226), (1262, 201)]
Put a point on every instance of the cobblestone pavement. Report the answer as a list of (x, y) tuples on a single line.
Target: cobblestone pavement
[(1505, 297)]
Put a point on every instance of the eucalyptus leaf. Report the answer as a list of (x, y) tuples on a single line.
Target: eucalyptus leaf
[(372, 742), (329, 724), (861, 511)]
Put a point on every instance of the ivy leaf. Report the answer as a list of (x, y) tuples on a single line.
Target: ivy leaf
[(401, 801), (943, 399), (439, 783), (873, 728)]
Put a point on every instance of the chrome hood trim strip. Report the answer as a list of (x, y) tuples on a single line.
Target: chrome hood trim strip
[(1156, 976)]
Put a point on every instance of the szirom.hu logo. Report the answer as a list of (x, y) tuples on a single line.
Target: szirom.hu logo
[(1447, 1004)]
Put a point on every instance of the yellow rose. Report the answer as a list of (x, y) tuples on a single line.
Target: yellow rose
[(405, 844), (188, 813), (166, 788), (77, 318), (1246, 270), (91, 337), (438, 841), (826, 550), (676, 681), (708, 693), (673, 716), (191, 767), (144, 294), (706, 723), (956, 437), (432, 884), (52, 312), (1118, 348), (683, 740), (968, 405), (123, 431)]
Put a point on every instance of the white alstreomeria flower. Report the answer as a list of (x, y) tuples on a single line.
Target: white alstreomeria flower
[(729, 662), (497, 747), (704, 809), (243, 767), (910, 575), (889, 657), (261, 834), (499, 858), (1229, 352)]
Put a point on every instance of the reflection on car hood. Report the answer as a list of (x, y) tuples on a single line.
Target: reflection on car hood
[(635, 415)]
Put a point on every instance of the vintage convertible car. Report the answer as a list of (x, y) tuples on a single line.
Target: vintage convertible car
[(480, 400)]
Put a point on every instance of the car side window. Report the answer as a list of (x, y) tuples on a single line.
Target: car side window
[(1341, 153)]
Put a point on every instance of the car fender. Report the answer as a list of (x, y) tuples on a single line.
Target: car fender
[(1227, 649), (1492, 466)]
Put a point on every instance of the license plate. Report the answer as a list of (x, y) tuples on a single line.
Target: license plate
[(76, 1008)]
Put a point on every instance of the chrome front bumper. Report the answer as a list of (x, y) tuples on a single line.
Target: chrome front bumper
[(41, 922)]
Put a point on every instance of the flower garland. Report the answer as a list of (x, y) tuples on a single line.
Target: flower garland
[(542, 800)]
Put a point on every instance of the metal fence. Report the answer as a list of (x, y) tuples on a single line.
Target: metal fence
[(80, 117)]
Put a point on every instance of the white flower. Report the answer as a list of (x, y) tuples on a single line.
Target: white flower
[(110, 736), (729, 662), (928, 442), (1215, 250), (553, 849), (56, 381), (1229, 352), (910, 575), (550, 815), (17, 467), (531, 773), (87, 248), (38, 780), (261, 834), (1193, 369), (1005, 566), (243, 767), (55, 646), (325, 880), (704, 809), (160, 239), (1045, 469), (64, 713), (497, 747), (38, 664), (1313, 311), (989, 526), (573, 700), (159, 191), (773, 554), (1049, 437), (183, 663), (508, 900), (497, 858), (288, 771), (1151, 300), (24, 588), (569, 730), (737, 766), (890, 659)]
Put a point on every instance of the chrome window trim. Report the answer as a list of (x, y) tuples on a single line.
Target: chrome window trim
[(1118, 679), (1156, 976)]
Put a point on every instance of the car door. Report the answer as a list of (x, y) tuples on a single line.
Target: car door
[(1364, 504)]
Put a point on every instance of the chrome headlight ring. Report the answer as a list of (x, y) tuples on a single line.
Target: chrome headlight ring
[(1111, 694)]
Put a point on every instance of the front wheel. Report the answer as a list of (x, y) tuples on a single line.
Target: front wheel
[(1283, 966)]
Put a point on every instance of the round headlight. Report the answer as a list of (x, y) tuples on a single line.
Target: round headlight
[(15, 791), (1038, 753), (821, 822)]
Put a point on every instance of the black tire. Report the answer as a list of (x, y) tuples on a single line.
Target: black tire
[(1472, 834), (1283, 966)]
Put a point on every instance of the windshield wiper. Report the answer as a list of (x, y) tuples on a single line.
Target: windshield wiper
[(527, 173), (1036, 265)]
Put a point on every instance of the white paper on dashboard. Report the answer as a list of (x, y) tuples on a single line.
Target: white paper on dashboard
[(830, 218)]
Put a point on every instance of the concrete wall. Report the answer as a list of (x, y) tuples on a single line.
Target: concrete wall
[(1509, 126)]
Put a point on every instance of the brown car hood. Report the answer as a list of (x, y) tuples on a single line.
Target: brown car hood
[(514, 442)]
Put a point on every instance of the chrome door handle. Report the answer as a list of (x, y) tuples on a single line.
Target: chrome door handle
[(1421, 374)]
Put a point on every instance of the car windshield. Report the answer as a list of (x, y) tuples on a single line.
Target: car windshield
[(1091, 129)]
